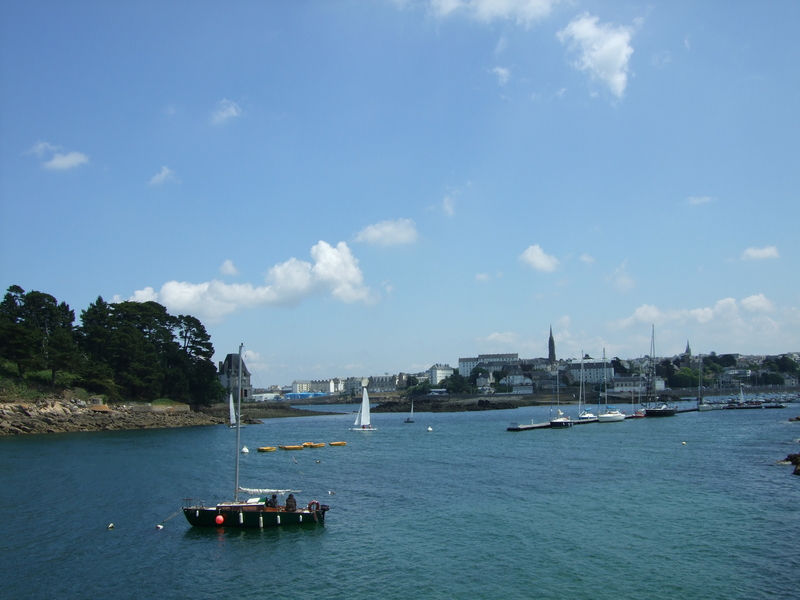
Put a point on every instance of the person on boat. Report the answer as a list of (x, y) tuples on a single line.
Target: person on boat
[(272, 502), (291, 503)]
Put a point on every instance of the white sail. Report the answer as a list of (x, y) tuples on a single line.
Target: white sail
[(365, 409), (362, 422), (232, 411)]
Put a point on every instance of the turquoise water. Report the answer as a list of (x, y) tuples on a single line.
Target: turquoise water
[(469, 510)]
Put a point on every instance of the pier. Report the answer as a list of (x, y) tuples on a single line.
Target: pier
[(518, 427)]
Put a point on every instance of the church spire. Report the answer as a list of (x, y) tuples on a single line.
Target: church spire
[(551, 346)]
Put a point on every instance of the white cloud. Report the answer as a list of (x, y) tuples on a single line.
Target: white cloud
[(604, 50), (41, 149), (62, 162), (228, 268), (58, 161), (166, 174), (335, 271), (524, 12), (503, 75), (588, 259), (760, 253), (389, 233), (502, 45), (699, 199), (757, 303), (620, 279), (507, 338), (449, 206), (536, 258), (724, 310), (482, 277), (225, 110), (728, 325)]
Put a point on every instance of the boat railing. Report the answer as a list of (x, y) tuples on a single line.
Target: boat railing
[(192, 503)]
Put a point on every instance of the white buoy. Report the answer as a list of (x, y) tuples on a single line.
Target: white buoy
[(430, 428), (245, 450), (159, 527), (110, 526), (684, 443)]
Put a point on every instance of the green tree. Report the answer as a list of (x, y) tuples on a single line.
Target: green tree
[(457, 384), (477, 373), (787, 365)]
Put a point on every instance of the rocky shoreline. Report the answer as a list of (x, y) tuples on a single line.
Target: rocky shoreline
[(62, 416)]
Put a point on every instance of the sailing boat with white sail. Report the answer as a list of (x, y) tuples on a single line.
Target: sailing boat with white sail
[(410, 418), (362, 422)]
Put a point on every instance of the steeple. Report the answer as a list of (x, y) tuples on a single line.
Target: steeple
[(551, 345), (688, 349)]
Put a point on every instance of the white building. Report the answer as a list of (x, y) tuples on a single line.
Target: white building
[(438, 373), (465, 365), (593, 371)]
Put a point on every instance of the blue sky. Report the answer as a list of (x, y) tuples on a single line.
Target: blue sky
[(354, 188)]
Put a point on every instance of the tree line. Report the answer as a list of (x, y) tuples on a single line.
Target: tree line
[(124, 350)]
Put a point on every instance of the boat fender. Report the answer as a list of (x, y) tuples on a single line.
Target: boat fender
[(220, 519), (313, 505)]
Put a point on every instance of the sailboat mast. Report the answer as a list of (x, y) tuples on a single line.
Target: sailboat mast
[(580, 389), (238, 424)]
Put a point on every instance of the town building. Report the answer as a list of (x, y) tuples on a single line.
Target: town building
[(228, 374)]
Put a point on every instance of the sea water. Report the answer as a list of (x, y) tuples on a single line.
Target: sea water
[(691, 506)]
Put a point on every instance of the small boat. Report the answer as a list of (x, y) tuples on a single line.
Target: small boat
[(266, 449), (561, 421), (702, 405), (658, 410), (337, 443), (232, 420), (291, 447), (362, 422), (611, 414), (661, 410), (410, 418), (316, 445), (583, 414), (258, 512)]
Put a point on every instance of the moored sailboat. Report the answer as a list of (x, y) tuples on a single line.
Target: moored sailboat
[(609, 414), (702, 405), (259, 512), (560, 421), (654, 408), (583, 414)]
